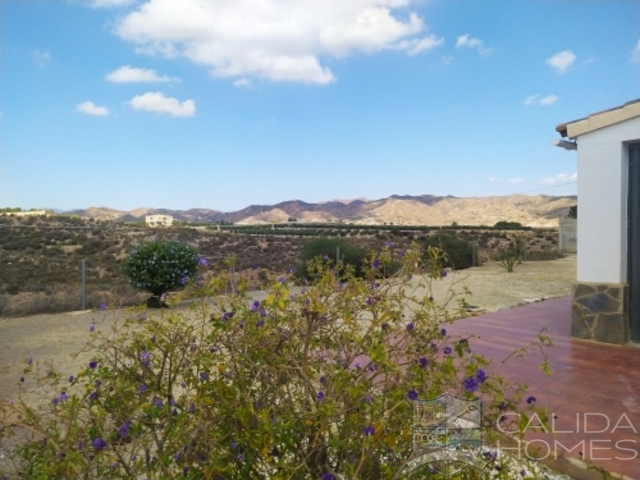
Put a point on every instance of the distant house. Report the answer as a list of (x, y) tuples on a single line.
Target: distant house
[(28, 213), (159, 220), (606, 300)]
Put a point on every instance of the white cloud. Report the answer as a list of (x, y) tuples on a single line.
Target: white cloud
[(417, 45), (274, 39), (495, 179), (157, 102), (560, 179), (561, 61), (41, 57), (242, 82), (109, 3), (470, 42), (127, 74), (91, 108), (543, 101), (516, 180), (635, 54)]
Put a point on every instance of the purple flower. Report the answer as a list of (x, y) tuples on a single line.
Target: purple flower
[(144, 358), (369, 301), (98, 443), (124, 428), (30, 361), (143, 388), (255, 306), (203, 262), (481, 377), (93, 395), (443, 332), (259, 323), (401, 253), (369, 430), (431, 298), (443, 273), (192, 408), (328, 476), (184, 280), (423, 362), (290, 270), (367, 399), (158, 402), (412, 395), (227, 316), (255, 266), (71, 379), (163, 298), (325, 258), (55, 401), (93, 364), (320, 396), (203, 376), (447, 350), (376, 263), (388, 244), (263, 313), (531, 400), (323, 380), (102, 307), (64, 397), (282, 280), (410, 326), (92, 328), (470, 384)]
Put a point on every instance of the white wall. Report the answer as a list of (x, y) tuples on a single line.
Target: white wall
[(602, 202)]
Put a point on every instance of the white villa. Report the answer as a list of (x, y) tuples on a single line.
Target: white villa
[(159, 220)]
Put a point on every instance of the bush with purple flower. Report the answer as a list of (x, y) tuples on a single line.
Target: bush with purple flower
[(321, 382)]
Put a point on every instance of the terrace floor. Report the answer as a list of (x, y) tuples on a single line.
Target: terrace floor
[(593, 390)]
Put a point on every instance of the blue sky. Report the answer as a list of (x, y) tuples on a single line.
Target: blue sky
[(225, 103)]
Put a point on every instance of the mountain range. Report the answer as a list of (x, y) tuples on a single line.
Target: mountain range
[(529, 210)]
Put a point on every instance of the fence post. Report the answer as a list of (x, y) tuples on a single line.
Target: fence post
[(84, 296), (473, 258)]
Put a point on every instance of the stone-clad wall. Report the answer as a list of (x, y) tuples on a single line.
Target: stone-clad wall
[(601, 312)]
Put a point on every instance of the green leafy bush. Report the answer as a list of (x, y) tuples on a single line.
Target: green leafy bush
[(326, 248), (159, 266), (317, 384), (504, 225), (458, 250)]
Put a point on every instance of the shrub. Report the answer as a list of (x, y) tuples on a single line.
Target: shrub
[(459, 251), (159, 266), (324, 247), (504, 225), (318, 384)]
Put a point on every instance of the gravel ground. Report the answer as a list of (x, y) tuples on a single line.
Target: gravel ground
[(51, 340)]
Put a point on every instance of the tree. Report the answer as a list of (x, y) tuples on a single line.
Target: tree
[(573, 211), (159, 266)]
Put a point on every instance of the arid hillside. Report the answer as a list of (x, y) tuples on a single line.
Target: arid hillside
[(532, 211)]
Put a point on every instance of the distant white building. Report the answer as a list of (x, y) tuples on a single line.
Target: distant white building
[(29, 213), (159, 220)]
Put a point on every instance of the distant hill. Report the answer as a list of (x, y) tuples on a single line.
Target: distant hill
[(533, 211)]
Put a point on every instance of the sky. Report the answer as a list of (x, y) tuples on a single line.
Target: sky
[(222, 104)]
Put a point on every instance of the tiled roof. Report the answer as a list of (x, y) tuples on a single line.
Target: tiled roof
[(599, 120)]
